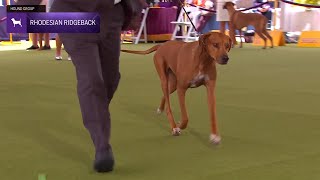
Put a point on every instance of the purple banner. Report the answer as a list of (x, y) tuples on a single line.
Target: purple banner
[(55, 22)]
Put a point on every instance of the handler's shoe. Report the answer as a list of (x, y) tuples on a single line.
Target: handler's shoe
[(104, 162)]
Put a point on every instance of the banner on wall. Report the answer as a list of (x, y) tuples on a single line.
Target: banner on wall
[(4, 35), (3, 25), (54, 22)]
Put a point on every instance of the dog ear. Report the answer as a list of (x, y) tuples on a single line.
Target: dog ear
[(224, 6), (227, 3), (203, 40)]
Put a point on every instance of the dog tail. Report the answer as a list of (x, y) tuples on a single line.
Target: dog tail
[(154, 48)]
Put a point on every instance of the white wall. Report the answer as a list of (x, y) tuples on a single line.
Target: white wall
[(295, 18)]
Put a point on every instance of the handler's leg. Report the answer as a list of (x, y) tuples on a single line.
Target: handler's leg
[(222, 27), (93, 98), (109, 49), (97, 65)]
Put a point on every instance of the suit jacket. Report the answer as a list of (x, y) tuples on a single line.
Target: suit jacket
[(81, 5), (132, 8)]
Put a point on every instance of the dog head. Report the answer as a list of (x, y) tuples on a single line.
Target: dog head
[(228, 5), (216, 45), (13, 20)]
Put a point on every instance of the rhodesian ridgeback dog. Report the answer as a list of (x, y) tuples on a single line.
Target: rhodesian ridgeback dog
[(183, 65), (240, 20)]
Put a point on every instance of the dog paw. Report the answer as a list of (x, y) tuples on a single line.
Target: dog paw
[(176, 131), (159, 111), (215, 139)]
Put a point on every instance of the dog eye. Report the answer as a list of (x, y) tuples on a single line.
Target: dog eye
[(215, 45), (227, 46)]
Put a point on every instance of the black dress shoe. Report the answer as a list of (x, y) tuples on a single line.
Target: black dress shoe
[(33, 47), (104, 162), (46, 48)]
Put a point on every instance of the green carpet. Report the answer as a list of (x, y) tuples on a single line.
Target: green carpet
[(268, 115)]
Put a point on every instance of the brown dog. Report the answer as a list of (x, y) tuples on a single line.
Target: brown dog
[(182, 65), (240, 20)]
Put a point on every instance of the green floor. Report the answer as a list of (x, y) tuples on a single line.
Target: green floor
[(268, 112)]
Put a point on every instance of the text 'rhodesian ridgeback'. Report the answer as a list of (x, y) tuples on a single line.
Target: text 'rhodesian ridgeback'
[(240, 20), (182, 65)]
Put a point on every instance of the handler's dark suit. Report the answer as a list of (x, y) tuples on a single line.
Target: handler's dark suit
[(96, 60)]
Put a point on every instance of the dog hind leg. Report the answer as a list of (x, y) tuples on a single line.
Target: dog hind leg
[(172, 88), (184, 115), (164, 78), (265, 32), (264, 39)]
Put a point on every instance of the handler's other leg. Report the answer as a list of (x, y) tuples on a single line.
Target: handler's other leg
[(109, 53), (222, 27), (93, 98), (109, 49)]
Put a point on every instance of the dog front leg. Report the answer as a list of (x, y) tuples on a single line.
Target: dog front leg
[(175, 131), (184, 116), (214, 136)]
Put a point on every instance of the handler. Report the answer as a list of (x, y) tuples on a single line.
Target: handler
[(223, 18), (96, 60)]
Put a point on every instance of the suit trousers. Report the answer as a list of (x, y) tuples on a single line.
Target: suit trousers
[(96, 61)]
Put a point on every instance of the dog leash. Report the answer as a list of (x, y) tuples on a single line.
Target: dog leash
[(182, 5)]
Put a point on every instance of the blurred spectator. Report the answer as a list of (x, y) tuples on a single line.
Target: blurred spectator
[(34, 40), (265, 9), (46, 41), (205, 15), (222, 15), (33, 36), (223, 18), (45, 35), (59, 48)]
